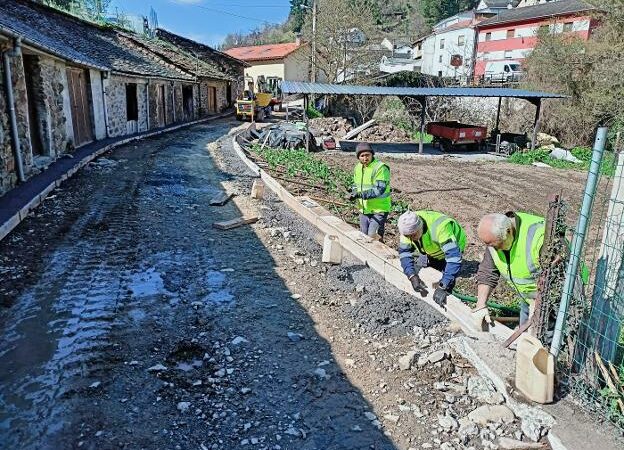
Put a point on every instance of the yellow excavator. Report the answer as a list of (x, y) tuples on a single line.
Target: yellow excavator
[(255, 106)]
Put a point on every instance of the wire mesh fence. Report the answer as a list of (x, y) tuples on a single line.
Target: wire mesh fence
[(590, 347)]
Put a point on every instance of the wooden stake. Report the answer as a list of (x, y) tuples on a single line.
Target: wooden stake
[(609, 381), (234, 223)]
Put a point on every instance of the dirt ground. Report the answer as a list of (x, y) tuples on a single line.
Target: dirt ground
[(127, 321), (467, 190)]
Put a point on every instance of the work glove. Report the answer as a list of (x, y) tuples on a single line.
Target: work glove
[(419, 286), (439, 296), (481, 318)]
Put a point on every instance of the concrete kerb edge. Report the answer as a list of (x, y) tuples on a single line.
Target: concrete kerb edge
[(353, 242), (16, 219), (329, 224)]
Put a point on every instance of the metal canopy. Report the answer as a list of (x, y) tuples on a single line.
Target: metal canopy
[(299, 87)]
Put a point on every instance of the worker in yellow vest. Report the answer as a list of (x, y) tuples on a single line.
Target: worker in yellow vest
[(514, 242), (439, 241), (371, 189)]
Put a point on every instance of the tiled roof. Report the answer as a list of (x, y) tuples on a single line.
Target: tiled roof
[(540, 11), (193, 64), (226, 63), (262, 52), (81, 42), (500, 3)]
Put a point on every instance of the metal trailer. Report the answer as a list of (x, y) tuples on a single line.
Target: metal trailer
[(452, 134)]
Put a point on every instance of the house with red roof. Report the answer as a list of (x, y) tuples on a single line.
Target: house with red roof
[(512, 34), (289, 61)]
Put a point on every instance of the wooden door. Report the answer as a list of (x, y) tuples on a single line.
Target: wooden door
[(78, 82), (212, 99)]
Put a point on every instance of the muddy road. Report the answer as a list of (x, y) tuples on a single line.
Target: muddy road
[(127, 321)]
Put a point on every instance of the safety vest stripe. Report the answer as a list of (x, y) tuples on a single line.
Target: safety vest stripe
[(519, 281), (531, 264), (436, 224)]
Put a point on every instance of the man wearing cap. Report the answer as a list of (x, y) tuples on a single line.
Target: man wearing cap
[(371, 189), (439, 241)]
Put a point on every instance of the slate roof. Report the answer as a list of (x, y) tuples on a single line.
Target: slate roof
[(500, 3), (81, 42), (182, 58), (540, 11), (263, 52), (224, 62)]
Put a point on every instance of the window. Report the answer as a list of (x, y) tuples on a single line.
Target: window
[(511, 33), (506, 68), (488, 36), (508, 54), (568, 26), (440, 58), (132, 105), (461, 40), (440, 73), (441, 44)]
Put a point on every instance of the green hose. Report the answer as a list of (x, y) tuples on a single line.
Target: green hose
[(497, 306)]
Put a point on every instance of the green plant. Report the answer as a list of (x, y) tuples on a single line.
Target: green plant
[(583, 153), (313, 113)]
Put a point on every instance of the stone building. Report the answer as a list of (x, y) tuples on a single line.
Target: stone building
[(74, 82)]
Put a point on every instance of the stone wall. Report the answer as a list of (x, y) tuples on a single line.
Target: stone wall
[(116, 104), (222, 103), (50, 82), (7, 161), (179, 109), (21, 111)]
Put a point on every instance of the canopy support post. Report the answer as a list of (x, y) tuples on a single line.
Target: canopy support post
[(500, 101), (537, 123), (307, 121), (423, 112)]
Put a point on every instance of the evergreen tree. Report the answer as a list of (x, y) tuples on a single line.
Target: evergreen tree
[(436, 10)]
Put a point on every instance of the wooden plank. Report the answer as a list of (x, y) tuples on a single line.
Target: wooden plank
[(234, 223), (351, 134), (220, 199), (610, 383)]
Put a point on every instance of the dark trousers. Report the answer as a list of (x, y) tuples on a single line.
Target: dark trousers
[(372, 224)]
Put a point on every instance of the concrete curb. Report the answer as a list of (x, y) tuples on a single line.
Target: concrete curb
[(385, 261), (379, 257), (16, 219)]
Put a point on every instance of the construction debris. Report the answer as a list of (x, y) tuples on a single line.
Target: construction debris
[(385, 132), (565, 155), (220, 199), (234, 223), (283, 135), (353, 133), (337, 127)]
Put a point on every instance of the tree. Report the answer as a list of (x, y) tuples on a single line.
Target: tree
[(343, 28), (590, 72), (436, 10), (298, 13)]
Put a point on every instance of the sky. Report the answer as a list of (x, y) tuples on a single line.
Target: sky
[(207, 21)]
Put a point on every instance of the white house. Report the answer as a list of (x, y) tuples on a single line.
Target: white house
[(395, 64), (449, 50)]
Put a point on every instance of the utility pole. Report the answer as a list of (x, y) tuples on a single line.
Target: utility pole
[(313, 75)]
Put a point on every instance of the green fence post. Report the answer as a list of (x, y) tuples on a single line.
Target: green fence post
[(579, 238)]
